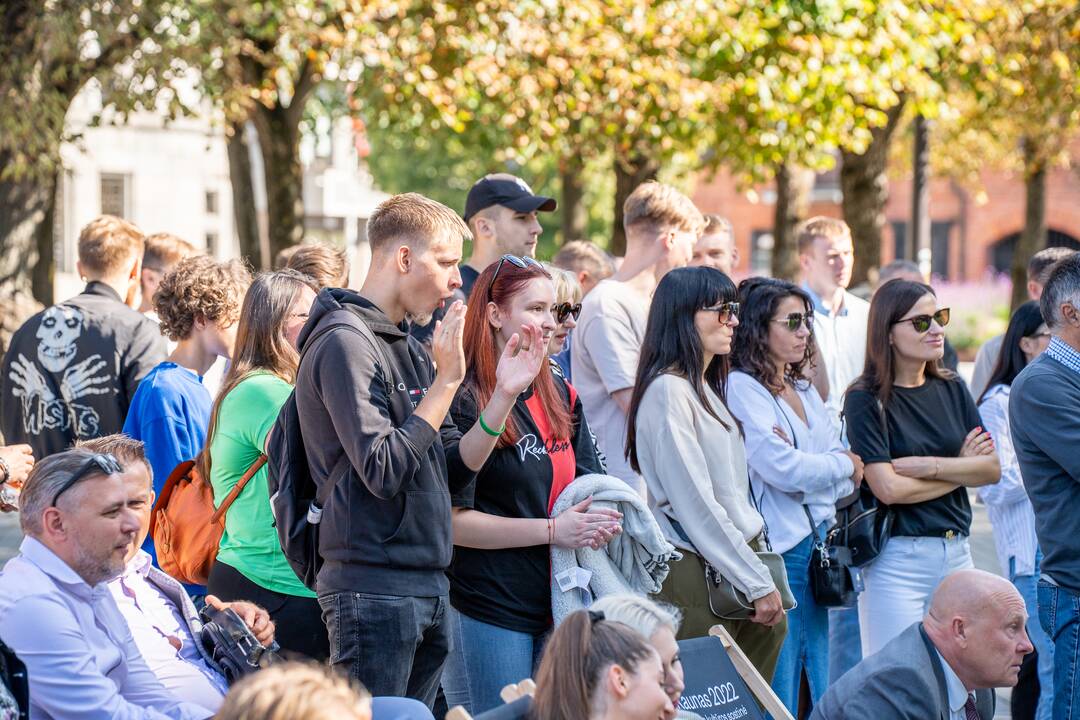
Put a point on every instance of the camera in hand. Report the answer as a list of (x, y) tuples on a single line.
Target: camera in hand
[(232, 645)]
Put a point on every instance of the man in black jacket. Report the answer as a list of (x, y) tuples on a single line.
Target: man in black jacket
[(379, 444), (72, 369)]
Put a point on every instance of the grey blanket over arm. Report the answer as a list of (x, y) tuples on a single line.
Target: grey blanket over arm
[(635, 561)]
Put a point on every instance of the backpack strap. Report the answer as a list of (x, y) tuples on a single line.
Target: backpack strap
[(238, 488), (363, 330)]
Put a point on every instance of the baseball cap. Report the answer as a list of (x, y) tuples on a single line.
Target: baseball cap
[(505, 190)]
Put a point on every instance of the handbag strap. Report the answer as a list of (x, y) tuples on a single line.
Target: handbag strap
[(238, 488)]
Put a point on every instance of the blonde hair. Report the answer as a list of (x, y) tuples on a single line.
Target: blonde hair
[(327, 266), (413, 219), (197, 287), (663, 207), (107, 244), (640, 613), (819, 226), (578, 255), (716, 225), (164, 250), (295, 691), (567, 287)]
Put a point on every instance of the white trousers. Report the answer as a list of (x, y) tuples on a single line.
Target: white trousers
[(901, 580)]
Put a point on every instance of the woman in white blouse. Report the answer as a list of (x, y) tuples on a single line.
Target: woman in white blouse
[(798, 467), (688, 447), (1007, 503)]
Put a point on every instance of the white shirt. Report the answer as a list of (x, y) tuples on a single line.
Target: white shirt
[(958, 694), (606, 345), (79, 653), (841, 337), (158, 626), (1011, 515), (813, 471)]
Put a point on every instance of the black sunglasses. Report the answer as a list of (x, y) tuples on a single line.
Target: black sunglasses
[(521, 262), (921, 323), (724, 311), (104, 464), (794, 320), (561, 311)]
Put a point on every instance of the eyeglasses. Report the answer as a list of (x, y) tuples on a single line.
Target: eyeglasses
[(103, 463), (724, 311), (561, 311), (794, 320), (921, 323), (521, 262)]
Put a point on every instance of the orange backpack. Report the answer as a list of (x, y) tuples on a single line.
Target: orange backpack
[(184, 524)]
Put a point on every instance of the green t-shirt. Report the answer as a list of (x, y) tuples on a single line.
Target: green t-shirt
[(250, 542)]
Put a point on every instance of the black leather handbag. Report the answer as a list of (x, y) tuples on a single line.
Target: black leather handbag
[(831, 581), (863, 526)]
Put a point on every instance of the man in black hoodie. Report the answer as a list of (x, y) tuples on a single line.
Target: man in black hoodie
[(379, 445)]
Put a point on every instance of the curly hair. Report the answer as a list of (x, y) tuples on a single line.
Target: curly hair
[(200, 287), (758, 300)]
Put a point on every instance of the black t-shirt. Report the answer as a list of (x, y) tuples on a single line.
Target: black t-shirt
[(423, 333), (930, 420), (511, 588)]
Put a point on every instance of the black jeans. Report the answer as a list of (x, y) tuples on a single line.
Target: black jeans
[(393, 645), (299, 628)]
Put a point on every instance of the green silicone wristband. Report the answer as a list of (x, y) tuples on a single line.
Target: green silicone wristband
[(489, 431)]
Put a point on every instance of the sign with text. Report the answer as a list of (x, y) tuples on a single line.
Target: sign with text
[(714, 688)]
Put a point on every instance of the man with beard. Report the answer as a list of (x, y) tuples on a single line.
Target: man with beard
[(56, 612)]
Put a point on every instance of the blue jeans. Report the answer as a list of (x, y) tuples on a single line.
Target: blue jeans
[(806, 647), (845, 641), (485, 659), (1026, 585), (392, 645), (1059, 614)]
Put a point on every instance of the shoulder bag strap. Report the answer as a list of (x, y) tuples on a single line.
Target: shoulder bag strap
[(238, 488)]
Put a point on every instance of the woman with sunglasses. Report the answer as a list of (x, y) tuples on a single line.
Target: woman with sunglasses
[(684, 441), (798, 467), (1011, 515), (917, 429), (250, 564), (567, 310), (500, 577)]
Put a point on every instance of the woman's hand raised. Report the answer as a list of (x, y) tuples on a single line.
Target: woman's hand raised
[(522, 359)]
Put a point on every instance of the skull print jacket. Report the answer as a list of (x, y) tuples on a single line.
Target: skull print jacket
[(72, 369)]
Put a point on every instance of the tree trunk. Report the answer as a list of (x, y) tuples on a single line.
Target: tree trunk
[(919, 247), (279, 143), (243, 191), (23, 207), (1033, 237), (793, 186), (43, 279), (866, 190), (629, 173), (574, 216)]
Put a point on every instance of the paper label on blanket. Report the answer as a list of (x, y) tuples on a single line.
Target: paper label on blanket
[(574, 577)]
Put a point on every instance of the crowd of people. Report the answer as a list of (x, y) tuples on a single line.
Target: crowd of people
[(444, 407)]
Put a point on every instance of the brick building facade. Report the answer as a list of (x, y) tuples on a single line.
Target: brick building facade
[(969, 235)]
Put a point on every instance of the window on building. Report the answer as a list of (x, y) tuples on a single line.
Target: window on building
[(211, 202), (114, 195), (761, 247), (939, 245), (212, 244)]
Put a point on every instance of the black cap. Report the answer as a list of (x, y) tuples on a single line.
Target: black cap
[(500, 190)]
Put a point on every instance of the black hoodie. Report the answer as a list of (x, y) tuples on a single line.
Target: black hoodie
[(386, 522)]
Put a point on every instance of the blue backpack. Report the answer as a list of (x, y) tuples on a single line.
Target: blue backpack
[(295, 499)]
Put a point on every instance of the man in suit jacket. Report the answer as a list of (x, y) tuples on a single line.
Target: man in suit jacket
[(972, 639)]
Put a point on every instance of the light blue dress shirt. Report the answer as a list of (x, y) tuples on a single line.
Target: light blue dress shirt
[(81, 659), (958, 694)]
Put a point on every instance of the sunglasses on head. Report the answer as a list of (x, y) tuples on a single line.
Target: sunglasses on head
[(921, 323), (794, 320), (521, 262), (561, 311), (724, 311), (104, 464)]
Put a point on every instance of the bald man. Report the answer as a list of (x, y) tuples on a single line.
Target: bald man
[(972, 639)]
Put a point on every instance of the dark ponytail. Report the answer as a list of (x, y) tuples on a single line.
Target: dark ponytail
[(577, 655)]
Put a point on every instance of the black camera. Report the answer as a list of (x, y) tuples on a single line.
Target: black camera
[(233, 646)]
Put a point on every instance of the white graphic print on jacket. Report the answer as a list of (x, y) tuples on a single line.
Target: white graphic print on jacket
[(58, 336)]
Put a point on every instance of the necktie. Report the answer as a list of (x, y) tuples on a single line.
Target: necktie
[(970, 713)]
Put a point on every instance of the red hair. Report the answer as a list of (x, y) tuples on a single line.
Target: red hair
[(482, 352)]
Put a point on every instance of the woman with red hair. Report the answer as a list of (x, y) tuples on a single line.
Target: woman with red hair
[(500, 578)]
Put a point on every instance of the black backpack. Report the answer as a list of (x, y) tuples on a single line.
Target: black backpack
[(295, 499)]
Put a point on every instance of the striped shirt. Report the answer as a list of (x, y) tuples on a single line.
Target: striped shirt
[(1011, 515)]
